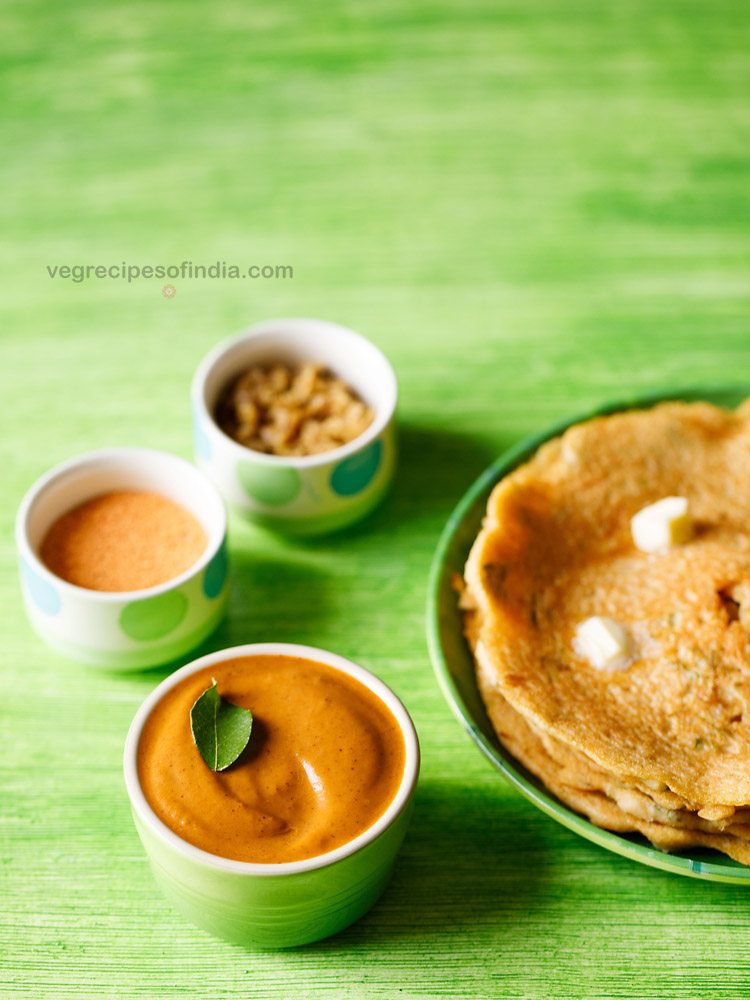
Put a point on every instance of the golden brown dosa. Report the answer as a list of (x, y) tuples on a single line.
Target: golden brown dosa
[(651, 746)]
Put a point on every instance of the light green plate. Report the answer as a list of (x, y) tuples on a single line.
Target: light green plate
[(454, 665)]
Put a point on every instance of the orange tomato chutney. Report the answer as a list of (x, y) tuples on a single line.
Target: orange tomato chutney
[(124, 540), (325, 759)]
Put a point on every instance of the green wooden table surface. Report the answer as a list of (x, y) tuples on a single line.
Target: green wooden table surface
[(531, 207)]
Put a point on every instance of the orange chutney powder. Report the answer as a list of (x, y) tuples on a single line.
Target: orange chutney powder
[(124, 540), (325, 759)]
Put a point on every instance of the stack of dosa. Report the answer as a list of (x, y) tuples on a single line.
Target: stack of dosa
[(662, 746)]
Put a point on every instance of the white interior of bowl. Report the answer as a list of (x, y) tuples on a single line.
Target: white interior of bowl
[(83, 478), (296, 342)]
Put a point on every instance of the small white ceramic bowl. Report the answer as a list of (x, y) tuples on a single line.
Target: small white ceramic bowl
[(315, 493), (275, 905), (131, 629)]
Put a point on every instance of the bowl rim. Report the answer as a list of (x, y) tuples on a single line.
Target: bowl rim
[(197, 855), (35, 491), (512, 770), (281, 326)]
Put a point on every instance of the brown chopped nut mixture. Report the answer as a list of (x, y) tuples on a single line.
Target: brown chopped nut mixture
[(291, 411)]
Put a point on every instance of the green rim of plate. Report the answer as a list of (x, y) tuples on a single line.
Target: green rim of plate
[(454, 665)]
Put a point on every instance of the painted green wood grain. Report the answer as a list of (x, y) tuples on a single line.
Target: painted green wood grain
[(530, 207)]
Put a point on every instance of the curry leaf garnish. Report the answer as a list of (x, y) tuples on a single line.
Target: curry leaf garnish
[(220, 729)]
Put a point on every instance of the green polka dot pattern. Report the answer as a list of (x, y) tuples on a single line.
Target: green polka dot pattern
[(215, 574), (355, 473), (269, 485), (154, 617)]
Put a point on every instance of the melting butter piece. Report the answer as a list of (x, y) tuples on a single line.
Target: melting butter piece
[(604, 643), (662, 525)]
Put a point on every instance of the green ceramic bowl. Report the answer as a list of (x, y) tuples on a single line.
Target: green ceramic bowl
[(275, 905), (454, 665)]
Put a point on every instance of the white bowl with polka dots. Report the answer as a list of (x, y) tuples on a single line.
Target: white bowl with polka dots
[(131, 629), (305, 495)]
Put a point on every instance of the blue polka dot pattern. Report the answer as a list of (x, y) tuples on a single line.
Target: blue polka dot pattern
[(44, 594), (200, 438), (353, 474), (215, 575)]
